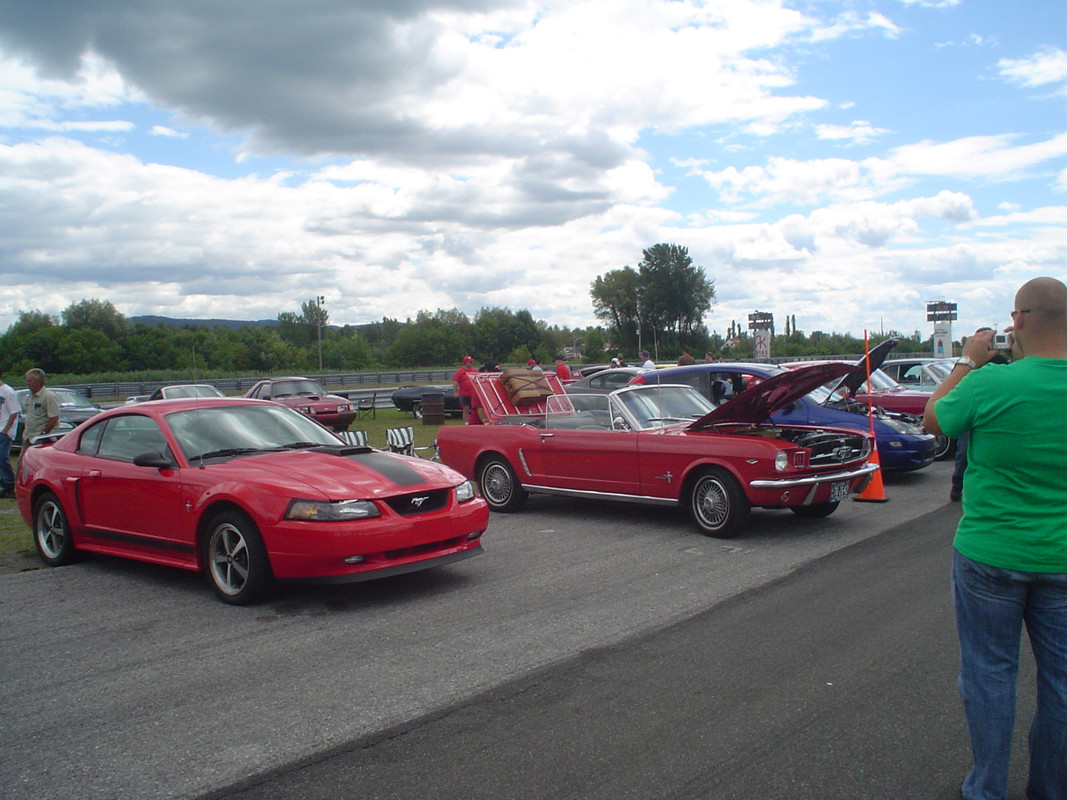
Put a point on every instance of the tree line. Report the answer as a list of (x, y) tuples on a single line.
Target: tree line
[(660, 306)]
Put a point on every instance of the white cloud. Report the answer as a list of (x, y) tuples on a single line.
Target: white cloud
[(1048, 66)]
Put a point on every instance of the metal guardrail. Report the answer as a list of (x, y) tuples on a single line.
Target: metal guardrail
[(354, 385)]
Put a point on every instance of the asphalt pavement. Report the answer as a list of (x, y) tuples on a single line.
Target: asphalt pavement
[(835, 682)]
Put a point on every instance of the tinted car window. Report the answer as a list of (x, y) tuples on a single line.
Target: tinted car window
[(128, 436), (90, 439)]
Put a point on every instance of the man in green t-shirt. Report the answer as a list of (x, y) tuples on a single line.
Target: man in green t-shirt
[(1010, 561)]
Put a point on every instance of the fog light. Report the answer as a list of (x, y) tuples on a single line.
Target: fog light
[(351, 560), (472, 536)]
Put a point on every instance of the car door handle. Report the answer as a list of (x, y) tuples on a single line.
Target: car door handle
[(546, 436), (94, 473)]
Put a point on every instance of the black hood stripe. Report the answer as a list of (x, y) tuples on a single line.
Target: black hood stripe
[(393, 468)]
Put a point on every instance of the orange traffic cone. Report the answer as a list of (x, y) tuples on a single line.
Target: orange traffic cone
[(875, 491)]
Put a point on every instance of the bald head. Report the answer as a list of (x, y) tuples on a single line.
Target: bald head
[(1040, 317)]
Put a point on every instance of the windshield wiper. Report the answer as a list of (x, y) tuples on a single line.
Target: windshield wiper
[(299, 445), (228, 451)]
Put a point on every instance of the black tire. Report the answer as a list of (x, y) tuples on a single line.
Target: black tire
[(717, 505), (236, 559), (51, 532), (945, 447), (815, 510), (500, 486)]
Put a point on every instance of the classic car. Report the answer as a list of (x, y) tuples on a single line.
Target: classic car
[(74, 409), (854, 392), (245, 490), (176, 391), (903, 445), (409, 399), (605, 380), (661, 444), (924, 374), (309, 398)]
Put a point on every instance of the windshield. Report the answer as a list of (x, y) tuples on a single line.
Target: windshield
[(200, 390), (68, 398), (244, 429), (941, 368), (656, 406), (288, 388)]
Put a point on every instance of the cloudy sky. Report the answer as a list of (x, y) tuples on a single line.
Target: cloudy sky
[(843, 161)]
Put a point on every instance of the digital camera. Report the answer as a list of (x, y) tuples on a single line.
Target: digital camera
[(1001, 341)]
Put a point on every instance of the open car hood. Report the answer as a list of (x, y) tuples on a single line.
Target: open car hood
[(759, 402), (854, 380)]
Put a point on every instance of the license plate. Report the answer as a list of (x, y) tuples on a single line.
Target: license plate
[(838, 491)]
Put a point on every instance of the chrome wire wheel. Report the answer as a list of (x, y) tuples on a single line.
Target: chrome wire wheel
[(500, 486), (718, 506)]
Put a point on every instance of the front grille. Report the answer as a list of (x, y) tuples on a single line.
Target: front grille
[(423, 549), (830, 449), (419, 502)]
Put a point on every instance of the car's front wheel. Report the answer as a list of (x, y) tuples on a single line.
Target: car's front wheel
[(717, 505), (51, 532), (815, 510), (944, 447), (236, 559), (500, 485)]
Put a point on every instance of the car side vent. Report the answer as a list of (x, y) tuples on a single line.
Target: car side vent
[(419, 502)]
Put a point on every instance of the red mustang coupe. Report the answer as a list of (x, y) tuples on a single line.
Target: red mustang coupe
[(246, 491), (662, 444), (309, 398)]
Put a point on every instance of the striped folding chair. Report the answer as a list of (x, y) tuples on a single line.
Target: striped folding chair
[(402, 440), (357, 438)]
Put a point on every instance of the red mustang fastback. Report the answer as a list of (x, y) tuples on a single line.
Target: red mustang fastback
[(662, 444), (247, 491)]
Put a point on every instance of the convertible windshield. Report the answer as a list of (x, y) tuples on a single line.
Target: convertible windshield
[(244, 429), (656, 406), (288, 388)]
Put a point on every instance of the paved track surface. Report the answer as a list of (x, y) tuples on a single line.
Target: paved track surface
[(835, 683), (595, 650)]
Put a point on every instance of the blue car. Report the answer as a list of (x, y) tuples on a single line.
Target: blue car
[(903, 445)]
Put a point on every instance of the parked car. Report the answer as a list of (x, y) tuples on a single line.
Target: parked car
[(74, 409), (854, 392), (664, 445), (606, 380), (309, 398), (903, 445), (409, 399), (246, 491), (923, 374), (176, 391)]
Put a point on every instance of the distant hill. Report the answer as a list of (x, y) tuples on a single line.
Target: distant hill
[(154, 321)]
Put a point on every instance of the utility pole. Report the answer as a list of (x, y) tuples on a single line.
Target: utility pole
[(320, 301)]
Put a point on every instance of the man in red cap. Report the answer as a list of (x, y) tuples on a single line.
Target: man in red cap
[(461, 383)]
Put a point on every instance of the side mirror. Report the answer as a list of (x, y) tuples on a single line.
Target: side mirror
[(154, 460)]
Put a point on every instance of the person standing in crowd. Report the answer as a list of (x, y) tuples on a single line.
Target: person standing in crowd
[(646, 360), (686, 358), (9, 411), (534, 363), (1010, 548), (461, 383), (42, 408), (563, 372), (478, 415)]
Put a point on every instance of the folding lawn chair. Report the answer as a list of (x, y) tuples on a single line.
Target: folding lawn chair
[(358, 438), (402, 440)]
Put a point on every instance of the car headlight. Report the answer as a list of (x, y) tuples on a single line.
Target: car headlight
[(342, 409), (464, 492), (318, 511), (902, 427), (781, 461), (304, 410)]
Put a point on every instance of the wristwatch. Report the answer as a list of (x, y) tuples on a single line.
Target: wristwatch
[(967, 362)]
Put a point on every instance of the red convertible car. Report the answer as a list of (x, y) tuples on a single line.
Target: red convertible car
[(309, 398), (662, 444), (246, 491)]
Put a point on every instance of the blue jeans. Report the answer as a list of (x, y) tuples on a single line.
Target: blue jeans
[(992, 604), (7, 475)]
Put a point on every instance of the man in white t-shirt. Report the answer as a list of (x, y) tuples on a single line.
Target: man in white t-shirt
[(9, 410), (646, 360)]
